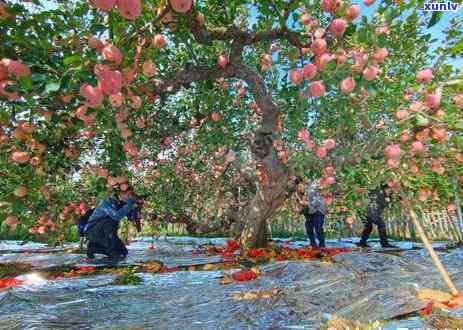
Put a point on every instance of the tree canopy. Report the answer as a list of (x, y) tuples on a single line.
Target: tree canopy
[(189, 100)]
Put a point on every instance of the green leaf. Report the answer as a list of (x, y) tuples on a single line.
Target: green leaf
[(457, 125), (458, 48), (363, 35), (421, 121), (382, 41), (26, 83), (72, 59), (52, 86), (389, 14), (372, 90), (457, 140), (351, 29), (37, 77), (436, 16), (292, 55), (4, 116)]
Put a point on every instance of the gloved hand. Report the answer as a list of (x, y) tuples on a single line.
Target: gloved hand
[(131, 201)]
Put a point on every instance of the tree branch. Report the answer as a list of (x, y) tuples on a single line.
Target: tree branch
[(207, 36), (261, 95), (236, 68), (142, 30), (173, 83), (281, 33)]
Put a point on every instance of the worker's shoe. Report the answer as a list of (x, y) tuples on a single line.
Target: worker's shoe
[(90, 253), (116, 258), (362, 245), (389, 246)]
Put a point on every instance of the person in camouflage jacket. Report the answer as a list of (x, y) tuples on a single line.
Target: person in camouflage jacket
[(313, 208), (375, 208)]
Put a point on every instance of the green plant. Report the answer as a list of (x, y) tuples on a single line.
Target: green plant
[(13, 269), (128, 277)]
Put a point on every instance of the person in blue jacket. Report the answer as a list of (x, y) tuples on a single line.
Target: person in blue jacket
[(102, 226)]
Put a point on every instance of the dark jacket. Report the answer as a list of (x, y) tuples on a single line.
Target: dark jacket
[(113, 209), (376, 203)]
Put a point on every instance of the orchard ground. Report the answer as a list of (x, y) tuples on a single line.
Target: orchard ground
[(209, 283)]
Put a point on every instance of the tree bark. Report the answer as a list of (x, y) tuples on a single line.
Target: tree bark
[(263, 207), (273, 172)]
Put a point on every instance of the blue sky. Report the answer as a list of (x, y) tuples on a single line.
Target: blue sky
[(436, 30)]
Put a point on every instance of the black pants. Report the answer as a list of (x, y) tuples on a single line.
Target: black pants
[(369, 228), (314, 227), (102, 238)]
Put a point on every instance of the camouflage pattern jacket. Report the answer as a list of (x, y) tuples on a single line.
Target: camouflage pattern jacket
[(316, 201), (376, 203)]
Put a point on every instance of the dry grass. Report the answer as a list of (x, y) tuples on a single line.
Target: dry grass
[(343, 324), (13, 269), (439, 320)]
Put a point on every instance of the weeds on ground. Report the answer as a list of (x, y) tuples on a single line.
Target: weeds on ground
[(440, 319), (128, 277), (336, 323), (13, 269)]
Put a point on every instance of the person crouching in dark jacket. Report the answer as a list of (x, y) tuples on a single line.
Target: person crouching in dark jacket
[(102, 226)]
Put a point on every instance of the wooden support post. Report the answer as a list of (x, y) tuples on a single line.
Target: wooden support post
[(441, 225), (402, 227), (448, 232), (442, 234), (407, 230), (412, 228), (454, 228), (432, 253), (458, 205), (388, 225), (429, 222), (397, 229), (391, 229)]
